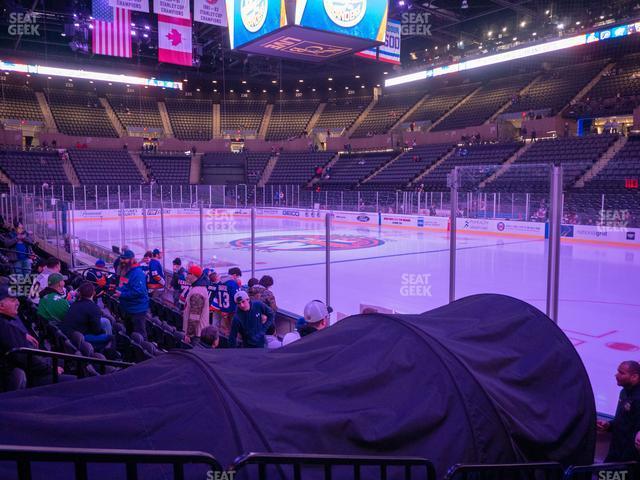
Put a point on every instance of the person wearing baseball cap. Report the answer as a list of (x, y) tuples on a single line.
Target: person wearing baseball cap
[(156, 281), (98, 276), (133, 294), (13, 334), (251, 321), (196, 309), (178, 278), (53, 304), (316, 317), (222, 298)]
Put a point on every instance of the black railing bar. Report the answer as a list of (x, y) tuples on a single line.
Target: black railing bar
[(68, 356), (21, 453), (319, 459)]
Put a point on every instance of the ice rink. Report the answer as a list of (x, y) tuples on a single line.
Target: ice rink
[(406, 270)]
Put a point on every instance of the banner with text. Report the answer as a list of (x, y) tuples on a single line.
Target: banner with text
[(213, 12), (172, 8)]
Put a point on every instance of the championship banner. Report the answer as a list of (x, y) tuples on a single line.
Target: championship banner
[(210, 11), (172, 8), (135, 5)]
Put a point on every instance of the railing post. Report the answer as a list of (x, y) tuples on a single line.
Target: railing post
[(253, 242), (164, 253), (123, 240), (109, 200), (130, 199), (145, 228), (327, 221), (56, 225), (526, 207), (201, 234), (555, 221), (453, 233), (96, 190)]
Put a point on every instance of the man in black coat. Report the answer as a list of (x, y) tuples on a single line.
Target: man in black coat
[(625, 426), (13, 334)]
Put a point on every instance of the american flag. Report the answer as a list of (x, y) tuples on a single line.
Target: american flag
[(111, 30)]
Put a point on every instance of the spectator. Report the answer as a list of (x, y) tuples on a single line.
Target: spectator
[(13, 334), (223, 298), (214, 309), (156, 281), (85, 316), (316, 317), (179, 275), (52, 266), (251, 283), (53, 304), (133, 294), (144, 263), (98, 276), (252, 320), (260, 291), (209, 337), (21, 253), (625, 427), (196, 310)]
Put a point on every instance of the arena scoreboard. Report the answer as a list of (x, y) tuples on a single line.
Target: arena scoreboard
[(307, 30)]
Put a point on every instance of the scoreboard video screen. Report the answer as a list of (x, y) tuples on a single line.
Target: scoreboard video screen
[(364, 19), (252, 19), (307, 30)]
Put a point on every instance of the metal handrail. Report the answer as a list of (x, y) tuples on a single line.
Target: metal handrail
[(80, 457), (462, 471), (298, 460), (588, 470), (57, 356)]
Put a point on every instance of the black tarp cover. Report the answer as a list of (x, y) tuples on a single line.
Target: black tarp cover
[(486, 379)]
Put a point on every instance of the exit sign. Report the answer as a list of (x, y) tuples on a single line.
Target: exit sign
[(631, 183)]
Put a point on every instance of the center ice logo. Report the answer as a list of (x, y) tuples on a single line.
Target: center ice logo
[(307, 243)]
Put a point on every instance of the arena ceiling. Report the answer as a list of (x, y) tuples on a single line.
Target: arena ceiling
[(456, 27)]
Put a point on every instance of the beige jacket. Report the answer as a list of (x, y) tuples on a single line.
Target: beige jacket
[(196, 311)]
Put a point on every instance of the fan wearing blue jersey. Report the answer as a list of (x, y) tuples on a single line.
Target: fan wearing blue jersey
[(214, 304), (156, 280), (224, 301)]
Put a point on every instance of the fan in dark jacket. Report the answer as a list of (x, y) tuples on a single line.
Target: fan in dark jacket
[(85, 316), (13, 334)]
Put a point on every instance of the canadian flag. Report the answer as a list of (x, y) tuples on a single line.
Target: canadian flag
[(174, 40)]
